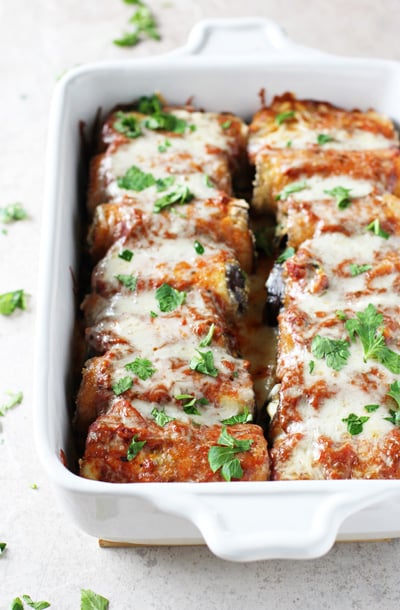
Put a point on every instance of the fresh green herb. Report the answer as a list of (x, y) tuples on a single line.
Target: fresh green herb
[(295, 187), (311, 366), (130, 39), (134, 448), (168, 298), (161, 418), (375, 227), (203, 362), (355, 424), (91, 600), (208, 338), (10, 301), (135, 179), (226, 124), (162, 148), (358, 269), (127, 124), (342, 196), (340, 314), (240, 418), (335, 351), (141, 367), (3, 546), (126, 255), (395, 392), (192, 128), (288, 253), (12, 213), (15, 398), (368, 326), (190, 406), (199, 248), (149, 105), (222, 455), (394, 417), (163, 183), (129, 281), (181, 195), (371, 408), (289, 144), (235, 374), (153, 314), (34, 486), (17, 604), (122, 385), (284, 116), (324, 138), (144, 26), (165, 121), (36, 605), (209, 182)]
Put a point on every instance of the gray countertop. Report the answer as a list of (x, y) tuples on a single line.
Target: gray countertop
[(46, 556)]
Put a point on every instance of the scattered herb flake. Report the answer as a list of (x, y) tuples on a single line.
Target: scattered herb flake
[(127, 124), (340, 314), (34, 486), (240, 418), (163, 183), (358, 269), (153, 314), (342, 196), (122, 385), (149, 104), (375, 227), (3, 546), (10, 301), (161, 418), (203, 362), (134, 448), (335, 351), (226, 124), (394, 417), (371, 408), (289, 144), (17, 604), (162, 148), (126, 255), (168, 298), (284, 116), (129, 281), (288, 253), (15, 398), (93, 601), (311, 367), (355, 423), (199, 248), (208, 338), (222, 455), (181, 195), (395, 392), (190, 406), (135, 179), (209, 182), (324, 138), (144, 24), (12, 213), (294, 187), (36, 605), (129, 39), (165, 121), (141, 367)]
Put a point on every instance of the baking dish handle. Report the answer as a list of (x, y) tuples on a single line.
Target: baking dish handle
[(286, 520), (241, 37)]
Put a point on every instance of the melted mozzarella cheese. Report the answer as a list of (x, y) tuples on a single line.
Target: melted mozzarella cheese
[(316, 187)]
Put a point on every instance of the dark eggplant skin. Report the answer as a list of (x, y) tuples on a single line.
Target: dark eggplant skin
[(236, 281), (275, 291)]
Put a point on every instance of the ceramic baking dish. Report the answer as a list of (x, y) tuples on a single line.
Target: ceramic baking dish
[(223, 67)]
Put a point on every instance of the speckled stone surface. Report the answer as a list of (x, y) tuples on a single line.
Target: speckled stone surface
[(46, 557)]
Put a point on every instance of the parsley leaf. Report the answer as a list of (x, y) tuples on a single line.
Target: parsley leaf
[(324, 138), (149, 105), (355, 424), (339, 313), (127, 124), (14, 400), (3, 546), (168, 298), (122, 385), (284, 116), (12, 213), (375, 227), (371, 408), (342, 196), (394, 417), (144, 24), (203, 362), (208, 338), (311, 367), (335, 351), (135, 179), (358, 269), (130, 39), (395, 392), (36, 605), (190, 407), (240, 418), (93, 601), (181, 195), (162, 148), (17, 604), (295, 187), (167, 122), (223, 455), (199, 248), (126, 255), (129, 281), (163, 183), (141, 367), (226, 124), (162, 419), (288, 253), (10, 301), (209, 182), (134, 448)]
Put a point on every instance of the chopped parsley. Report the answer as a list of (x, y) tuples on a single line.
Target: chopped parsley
[(209, 182), (226, 124), (240, 418), (395, 394), (126, 255), (129, 281), (371, 408), (130, 39), (358, 269), (10, 301), (168, 298), (342, 196), (145, 26), (222, 455), (339, 313), (335, 351), (203, 362), (367, 325), (122, 385), (181, 195), (163, 183), (3, 546), (324, 138), (134, 448), (34, 486), (127, 124), (287, 253), (36, 605), (12, 213), (141, 367), (15, 398), (165, 121), (153, 314), (149, 104), (161, 418), (289, 144), (355, 424), (93, 601), (162, 148), (199, 248), (375, 227), (208, 338), (135, 179), (284, 116), (311, 367), (295, 187), (191, 403)]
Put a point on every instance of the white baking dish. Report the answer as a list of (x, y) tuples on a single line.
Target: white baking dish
[(223, 66)]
